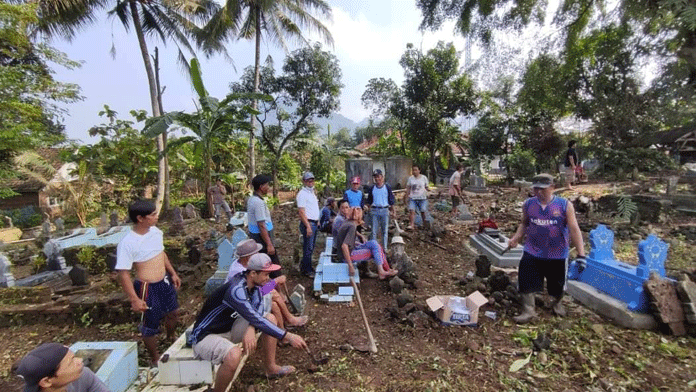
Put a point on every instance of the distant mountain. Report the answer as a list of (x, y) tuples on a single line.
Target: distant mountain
[(337, 121)]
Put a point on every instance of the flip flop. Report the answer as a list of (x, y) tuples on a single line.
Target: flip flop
[(284, 371), (303, 322)]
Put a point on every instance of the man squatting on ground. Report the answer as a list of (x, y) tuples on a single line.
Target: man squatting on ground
[(455, 188), (352, 253), (416, 195), (232, 314), (308, 209), (547, 222), (247, 248), (380, 200), (217, 193), (52, 367), (153, 291)]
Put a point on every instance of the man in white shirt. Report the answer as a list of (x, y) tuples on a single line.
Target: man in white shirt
[(308, 209), (417, 195), (455, 188)]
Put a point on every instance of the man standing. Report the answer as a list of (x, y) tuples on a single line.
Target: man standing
[(232, 314), (259, 219), (308, 209), (216, 195), (417, 195), (548, 222), (53, 367), (571, 161), (455, 188), (153, 291), (354, 195), (380, 200)]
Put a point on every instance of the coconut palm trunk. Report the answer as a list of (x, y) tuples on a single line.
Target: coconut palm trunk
[(257, 82), (154, 94)]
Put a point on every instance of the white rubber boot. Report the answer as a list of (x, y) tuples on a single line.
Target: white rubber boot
[(528, 312)]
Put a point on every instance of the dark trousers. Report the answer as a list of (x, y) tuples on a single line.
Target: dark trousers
[(307, 247), (274, 257)]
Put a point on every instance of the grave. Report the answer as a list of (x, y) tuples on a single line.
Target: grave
[(54, 258), (177, 227), (77, 238), (463, 213), (111, 237), (225, 257), (605, 276), (190, 212), (238, 219), (113, 219), (115, 363), (477, 184), (493, 244), (332, 281), (6, 277), (60, 225)]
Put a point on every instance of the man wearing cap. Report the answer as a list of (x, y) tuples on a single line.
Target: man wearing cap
[(548, 222), (380, 200), (308, 209), (54, 367), (246, 249), (233, 314), (327, 216), (259, 219), (354, 195)]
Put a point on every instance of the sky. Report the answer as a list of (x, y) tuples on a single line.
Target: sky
[(369, 39)]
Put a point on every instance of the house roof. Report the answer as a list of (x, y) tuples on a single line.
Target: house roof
[(28, 185)]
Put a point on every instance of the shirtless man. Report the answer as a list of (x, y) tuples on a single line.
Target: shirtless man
[(154, 290)]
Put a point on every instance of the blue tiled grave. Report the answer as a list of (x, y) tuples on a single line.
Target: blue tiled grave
[(333, 277), (225, 257), (115, 363), (617, 279)]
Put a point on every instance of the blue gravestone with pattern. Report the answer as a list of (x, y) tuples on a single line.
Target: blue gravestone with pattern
[(226, 251), (618, 279), (115, 363)]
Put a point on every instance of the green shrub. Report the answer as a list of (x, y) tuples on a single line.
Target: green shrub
[(25, 217), (521, 163), (92, 260), (646, 160), (289, 173)]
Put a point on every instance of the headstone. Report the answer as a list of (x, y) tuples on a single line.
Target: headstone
[(114, 363), (477, 184), (177, 227), (60, 225), (103, 220), (213, 240), (463, 213), (483, 267), (666, 303), (687, 293), (8, 221), (46, 229), (615, 278), (226, 253), (396, 285), (79, 275), (6, 277), (494, 245), (54, 259), (113, 219), (190, 211), (298, 298)]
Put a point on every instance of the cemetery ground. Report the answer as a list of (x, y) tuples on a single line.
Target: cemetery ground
[(416, 353)]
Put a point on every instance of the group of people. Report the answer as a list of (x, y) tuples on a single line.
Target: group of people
[(249, 303)]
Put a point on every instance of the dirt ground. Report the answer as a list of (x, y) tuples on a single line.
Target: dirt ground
[(586, 353)]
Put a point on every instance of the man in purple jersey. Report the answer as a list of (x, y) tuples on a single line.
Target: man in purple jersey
[(549, 222)]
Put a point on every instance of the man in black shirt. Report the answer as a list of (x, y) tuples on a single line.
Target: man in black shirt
[(571, 161)]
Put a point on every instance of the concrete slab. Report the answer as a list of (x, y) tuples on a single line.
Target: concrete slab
[(182, 367), (493, 249), (609, 307), (118, 366)]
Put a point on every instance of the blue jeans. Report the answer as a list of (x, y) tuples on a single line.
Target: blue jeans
[(307, 247), (380, 222)]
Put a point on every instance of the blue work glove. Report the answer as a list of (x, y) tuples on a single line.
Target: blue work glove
[(581, 263)]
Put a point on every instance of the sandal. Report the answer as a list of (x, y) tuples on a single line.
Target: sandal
[(284, 371)]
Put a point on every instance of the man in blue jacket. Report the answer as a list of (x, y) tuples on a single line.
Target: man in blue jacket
[(380, 201), (233, 314)]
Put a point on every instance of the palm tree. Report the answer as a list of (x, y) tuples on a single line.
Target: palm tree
[(279, 19), (170, 20)]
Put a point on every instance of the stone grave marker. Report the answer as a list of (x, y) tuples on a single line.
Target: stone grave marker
[(8, 221), (113, 219), (666, 303), (177, 227), (463, 213), (60, 225), (79, 275), (226, 254), (687, 293), (103, 221), (298, 298), (6, 277), (54, 258), (46, 229), (477, 184), (190, 211)]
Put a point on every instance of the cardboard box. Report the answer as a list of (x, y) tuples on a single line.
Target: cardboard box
[(454, 310)]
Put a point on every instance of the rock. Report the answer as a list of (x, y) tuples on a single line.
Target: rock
[(190, 212), (394, 312), (403, 299), (113, 219), (416, 319), (499, 281), (79, 275), (483, 267), (542, 342), (410, 308)]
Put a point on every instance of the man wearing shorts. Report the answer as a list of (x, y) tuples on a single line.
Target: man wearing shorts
[(548, 222), (232, 314), (153, 291), (417, 195)]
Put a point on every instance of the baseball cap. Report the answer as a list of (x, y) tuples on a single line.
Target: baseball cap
[(40, 362), (329, 201), (542, 180), (262, 262), (307, 176), (247, 248), (355, 180), (377, 172)]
